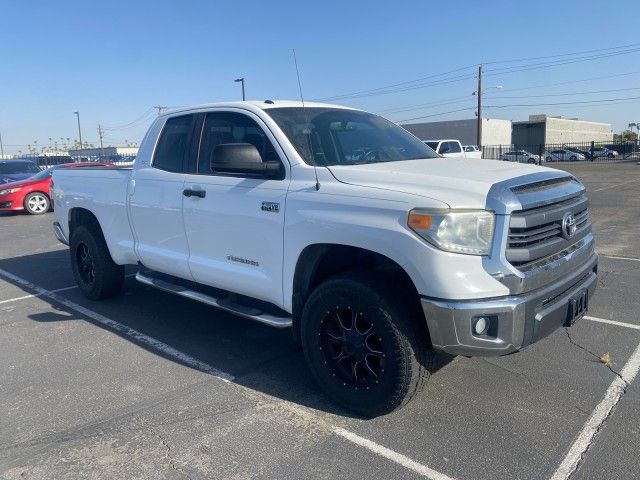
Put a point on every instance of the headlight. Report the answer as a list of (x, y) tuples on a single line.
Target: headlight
[(9, 190), (459, 231)]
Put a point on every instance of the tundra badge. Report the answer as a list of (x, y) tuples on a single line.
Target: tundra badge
[(271, 207)]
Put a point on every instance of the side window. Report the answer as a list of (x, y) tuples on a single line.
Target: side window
[(231, 127), (173, 145), (454, 147), (444, 147)]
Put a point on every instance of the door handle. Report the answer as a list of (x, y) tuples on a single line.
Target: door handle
[(194, 193)]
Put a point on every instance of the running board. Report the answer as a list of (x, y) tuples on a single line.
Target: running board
[(226, 304)]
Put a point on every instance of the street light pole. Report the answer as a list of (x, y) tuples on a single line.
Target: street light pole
[(1, 147), (79, 130), (479, 125), (241, 80)]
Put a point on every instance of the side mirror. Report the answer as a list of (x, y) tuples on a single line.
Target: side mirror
[(241, 158)]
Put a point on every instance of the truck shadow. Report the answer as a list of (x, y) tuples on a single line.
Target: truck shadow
[(261, 358)]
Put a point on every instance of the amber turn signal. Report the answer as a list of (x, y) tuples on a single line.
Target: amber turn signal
[(419, 221)]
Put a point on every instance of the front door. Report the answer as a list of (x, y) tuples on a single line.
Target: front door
[(235, 224)]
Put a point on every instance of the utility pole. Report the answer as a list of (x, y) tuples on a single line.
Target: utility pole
[(101, 135), (241, 80), (160, 108), (479, 113), (1, 147), (79, 130)]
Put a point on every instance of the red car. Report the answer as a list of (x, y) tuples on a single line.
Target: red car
[(32, 194)]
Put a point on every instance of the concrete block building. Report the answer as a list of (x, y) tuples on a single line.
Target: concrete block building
[(550, 130), (494, 131)]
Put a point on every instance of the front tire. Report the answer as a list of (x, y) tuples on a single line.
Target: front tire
[(36, 203), (573, 158), (362, 346), (94, 270)]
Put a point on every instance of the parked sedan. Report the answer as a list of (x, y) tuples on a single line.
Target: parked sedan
[(563, 155), (604, 152), (520, 156), (13, 170), (32, 194)]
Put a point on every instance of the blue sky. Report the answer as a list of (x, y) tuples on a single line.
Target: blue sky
[(114, 60)]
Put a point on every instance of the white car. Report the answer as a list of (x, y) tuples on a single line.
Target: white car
[(343, 226), (520, 156), (562, 155), (604, 152), (472, 151)]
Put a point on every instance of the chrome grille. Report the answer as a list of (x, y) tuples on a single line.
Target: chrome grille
[(536, 233)]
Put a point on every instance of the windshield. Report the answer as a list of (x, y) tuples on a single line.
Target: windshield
[(333, 136), (10, 168)]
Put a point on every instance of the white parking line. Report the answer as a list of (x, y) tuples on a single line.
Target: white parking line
[(118, 327), (204, 367), (631, 259), (34, 295), (598, 417), (616, 185), (612, 322), (391, 455), (37, 294)]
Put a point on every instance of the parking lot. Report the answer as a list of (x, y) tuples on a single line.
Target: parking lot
[(149, 385)]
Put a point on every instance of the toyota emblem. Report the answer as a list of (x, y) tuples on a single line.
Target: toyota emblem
[(569, 225)]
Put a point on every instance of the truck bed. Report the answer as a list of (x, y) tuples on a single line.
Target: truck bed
[(102, 191)]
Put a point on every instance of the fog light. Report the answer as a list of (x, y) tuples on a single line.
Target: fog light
[(481, 326)]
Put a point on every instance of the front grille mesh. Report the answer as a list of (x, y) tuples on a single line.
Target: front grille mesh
[(536, 233)]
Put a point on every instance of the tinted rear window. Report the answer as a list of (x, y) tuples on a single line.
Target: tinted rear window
[(174, 143)]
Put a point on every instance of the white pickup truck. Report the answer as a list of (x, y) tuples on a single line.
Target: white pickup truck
[(344, 226), (449, 148)]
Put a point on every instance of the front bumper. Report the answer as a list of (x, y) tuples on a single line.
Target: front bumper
[(516, 320)]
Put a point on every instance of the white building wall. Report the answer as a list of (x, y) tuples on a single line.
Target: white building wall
[(496, 132), (565, 130)]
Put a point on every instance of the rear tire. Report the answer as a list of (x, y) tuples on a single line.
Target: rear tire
[(363, 345), (95, 272), (573, 158), (36, 203)]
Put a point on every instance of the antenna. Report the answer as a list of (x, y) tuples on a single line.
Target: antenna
[(306, 117)]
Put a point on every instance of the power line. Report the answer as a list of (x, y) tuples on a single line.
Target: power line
[(562, 54), (563, 103), (133, 123), (419, 106), (415, 84), (564, 94), (413, 87), (570, 82), (436, 114), (556, 63), (337, 97)]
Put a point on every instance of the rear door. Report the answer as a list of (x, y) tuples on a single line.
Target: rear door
[(235, 227), (155, 200)]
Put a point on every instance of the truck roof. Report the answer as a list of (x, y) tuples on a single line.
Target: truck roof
[(257, 104)]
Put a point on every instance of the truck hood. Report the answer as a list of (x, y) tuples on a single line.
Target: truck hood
[(458, 182)]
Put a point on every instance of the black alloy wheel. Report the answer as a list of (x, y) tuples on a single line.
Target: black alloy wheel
[(86, 264), (351, 347)]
